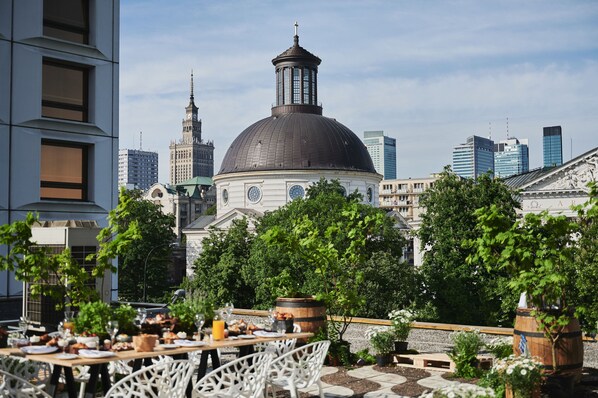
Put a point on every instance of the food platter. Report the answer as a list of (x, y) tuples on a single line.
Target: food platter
[(168, 346)]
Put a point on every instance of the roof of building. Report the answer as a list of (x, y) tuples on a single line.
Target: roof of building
[(296, 52), (297, 141), (519, 180), (206, 181)]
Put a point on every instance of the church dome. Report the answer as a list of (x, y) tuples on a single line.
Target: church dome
[(297, 141), (297, 136)]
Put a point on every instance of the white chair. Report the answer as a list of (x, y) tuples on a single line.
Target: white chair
[(12, 386), (244, 377), (279, 347), (299, 368), (37, 373), (161, 380)]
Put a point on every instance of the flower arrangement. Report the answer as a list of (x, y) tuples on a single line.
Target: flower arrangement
[(463, 390), (401, 323), (521, 373), (382, 339)]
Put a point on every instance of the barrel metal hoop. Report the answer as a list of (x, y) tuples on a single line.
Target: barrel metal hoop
[(299, 304), (540, 334), (565, 367)]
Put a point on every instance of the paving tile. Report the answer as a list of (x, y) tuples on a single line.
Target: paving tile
[(364, 372), (329, 391), (383, 393), (435, 381)]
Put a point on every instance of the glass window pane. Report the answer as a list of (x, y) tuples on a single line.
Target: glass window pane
[(64, 91), (67, 20), (63, 171), (296, 86)]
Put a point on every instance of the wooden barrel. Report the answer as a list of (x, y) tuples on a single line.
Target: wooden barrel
[(569, 348), (307, 312)]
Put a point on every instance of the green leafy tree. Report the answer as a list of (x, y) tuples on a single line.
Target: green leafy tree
[(154, 235), (461, 292), (219, 269), (545, 256)]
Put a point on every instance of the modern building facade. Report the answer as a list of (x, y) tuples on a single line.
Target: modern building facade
[(58, 115), (276, 159), (473, 158), (137, 169), (511, 156), (191, 156), (402, 196), (383, 151), (553, 146)]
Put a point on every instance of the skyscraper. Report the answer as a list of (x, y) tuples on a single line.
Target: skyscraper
[(511, 156), (383, 151), (473, 158), (553, 146), (137, 169), (191, 156), (59, 68)]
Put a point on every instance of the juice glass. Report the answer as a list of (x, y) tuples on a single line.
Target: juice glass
[(218, 329)]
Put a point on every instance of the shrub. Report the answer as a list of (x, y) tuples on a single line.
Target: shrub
[(500, 347), (467, 345), (382, 339), (92, 318)]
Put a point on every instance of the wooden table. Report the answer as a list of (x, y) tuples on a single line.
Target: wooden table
[(99, 366)]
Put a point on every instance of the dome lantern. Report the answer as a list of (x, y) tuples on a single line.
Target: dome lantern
[(296, 80)]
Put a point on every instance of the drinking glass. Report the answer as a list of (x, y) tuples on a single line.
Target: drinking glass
[(23, 325), (68, 323), (199, 321), (112, 329), (140, 317), (272, 317), (62, 344), (229, 307), (60, 330)]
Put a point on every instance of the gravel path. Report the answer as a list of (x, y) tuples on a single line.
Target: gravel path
[(428, 340)]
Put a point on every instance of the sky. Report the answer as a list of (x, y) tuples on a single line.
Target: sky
[(428, 73)]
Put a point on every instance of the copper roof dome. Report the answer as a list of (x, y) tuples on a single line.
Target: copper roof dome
[(296, 136)]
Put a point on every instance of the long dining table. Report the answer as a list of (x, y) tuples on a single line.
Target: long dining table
[(98, 367)]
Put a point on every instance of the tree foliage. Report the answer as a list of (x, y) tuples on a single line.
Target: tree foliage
[(462, 292), (153, 231), (302, 248)]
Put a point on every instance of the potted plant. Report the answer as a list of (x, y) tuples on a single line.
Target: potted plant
[(382, 341), (520, 375), (461, 390), (125, 315), (400, 321), (92, 319)]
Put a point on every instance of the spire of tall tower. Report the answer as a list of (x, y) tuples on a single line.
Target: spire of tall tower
[(191, 98)]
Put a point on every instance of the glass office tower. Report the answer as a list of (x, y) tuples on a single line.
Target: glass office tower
[(553, 146), (473, 158)]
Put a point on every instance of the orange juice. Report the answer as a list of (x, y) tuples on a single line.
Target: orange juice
[(218, 329), (69, 325)]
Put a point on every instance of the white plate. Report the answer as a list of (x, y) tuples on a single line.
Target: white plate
[(189, 343), (246, 336), (262, 333), (38, 349), (95, 354), (168, 346), (64, 355)]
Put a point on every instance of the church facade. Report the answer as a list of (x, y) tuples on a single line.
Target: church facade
[(191, 156)]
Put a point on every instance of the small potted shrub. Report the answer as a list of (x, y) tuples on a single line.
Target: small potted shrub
[(462, 390), (401, 325), (466, 346), (382, 341)]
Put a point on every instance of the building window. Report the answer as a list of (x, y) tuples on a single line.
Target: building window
[(296, 86), (296, 191), (370, 194), (65, 90), (67, 20), (63, 173), (254, 194), (225, 196)]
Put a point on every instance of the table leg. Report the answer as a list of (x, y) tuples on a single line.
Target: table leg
[(90, 388), (137, 364), (106, 382), (203, 362), (70, 382)]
